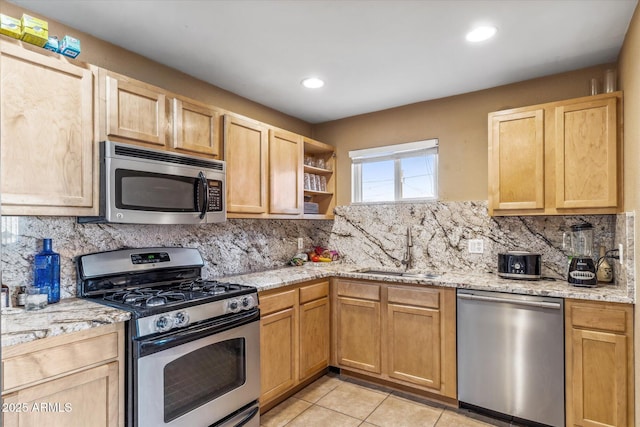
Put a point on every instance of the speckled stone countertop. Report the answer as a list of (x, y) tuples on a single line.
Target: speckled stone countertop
[(480, 281), (76, 314), (68, 315)]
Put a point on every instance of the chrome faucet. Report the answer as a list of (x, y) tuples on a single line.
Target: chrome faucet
[(406, 261)]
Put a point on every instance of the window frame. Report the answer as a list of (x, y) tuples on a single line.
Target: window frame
[(395, 152)]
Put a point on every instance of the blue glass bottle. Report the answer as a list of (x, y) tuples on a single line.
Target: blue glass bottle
[(47, 271)]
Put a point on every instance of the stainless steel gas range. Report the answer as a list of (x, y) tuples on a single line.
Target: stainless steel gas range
[(193, 346)]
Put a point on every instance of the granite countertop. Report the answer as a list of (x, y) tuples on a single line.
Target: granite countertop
[(276, 278), (68, 315), (76, 314)]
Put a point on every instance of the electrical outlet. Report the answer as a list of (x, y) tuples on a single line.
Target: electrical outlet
[(300, 243), (476, 246), (620, 254)]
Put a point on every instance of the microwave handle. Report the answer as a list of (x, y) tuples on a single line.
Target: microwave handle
[(205, 190)]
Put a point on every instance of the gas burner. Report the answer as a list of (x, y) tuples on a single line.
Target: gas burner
[(155, 301), (215, 288)]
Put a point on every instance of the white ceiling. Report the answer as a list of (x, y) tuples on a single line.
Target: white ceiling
[(373, 54)]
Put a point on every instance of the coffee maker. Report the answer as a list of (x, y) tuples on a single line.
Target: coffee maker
[(579, 242)]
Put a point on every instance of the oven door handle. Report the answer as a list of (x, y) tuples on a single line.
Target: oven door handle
[(234, 422), (175, 338)]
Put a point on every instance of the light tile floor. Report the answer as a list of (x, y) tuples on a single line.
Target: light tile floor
[(333, 401)]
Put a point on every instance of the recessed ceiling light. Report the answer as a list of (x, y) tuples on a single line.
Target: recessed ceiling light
[(312, 83), (480, 34)]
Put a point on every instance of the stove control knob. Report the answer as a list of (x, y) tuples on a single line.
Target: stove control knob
[(234, 306), (248, 302), (181, 319), (163, 323)]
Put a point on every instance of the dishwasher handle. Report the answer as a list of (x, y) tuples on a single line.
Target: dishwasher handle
[(539, 304)]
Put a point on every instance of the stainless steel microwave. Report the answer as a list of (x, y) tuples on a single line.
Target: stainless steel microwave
[(145, 186)]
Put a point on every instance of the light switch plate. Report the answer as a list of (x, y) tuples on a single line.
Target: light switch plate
[(620, 254), (476, 246)]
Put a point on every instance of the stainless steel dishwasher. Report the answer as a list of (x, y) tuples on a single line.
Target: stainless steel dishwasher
[(511, 355)]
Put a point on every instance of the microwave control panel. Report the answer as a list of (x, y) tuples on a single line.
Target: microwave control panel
[(215, 196)]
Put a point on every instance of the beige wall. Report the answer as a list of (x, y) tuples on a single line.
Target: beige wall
[(114, 58), (460, 123), (629, 73)]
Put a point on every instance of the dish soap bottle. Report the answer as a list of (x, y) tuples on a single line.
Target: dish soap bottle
[(47, 271), (605, 272)]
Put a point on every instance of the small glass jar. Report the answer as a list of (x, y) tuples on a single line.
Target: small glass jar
[(36, 298)]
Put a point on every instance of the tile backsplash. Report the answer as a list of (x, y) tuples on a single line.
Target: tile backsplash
[(369, 235)]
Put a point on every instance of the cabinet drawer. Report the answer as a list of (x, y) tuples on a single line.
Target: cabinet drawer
[(607, 317), (313, 292), (277, 302), (429, 298), (39, 365), (359, 290)]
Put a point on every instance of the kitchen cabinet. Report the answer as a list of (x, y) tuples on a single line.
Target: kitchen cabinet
[(71, 380), (358, 324), (559, 158), (196, 128), (48, 150), (599, 363), (399, 334), (132, 111), (264, 170), (314, 329), (285, 173), (294, 339), (246, 145), (319, 160)]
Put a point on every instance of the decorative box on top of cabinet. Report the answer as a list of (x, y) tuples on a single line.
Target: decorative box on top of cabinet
[(559, 158), (49, 159)]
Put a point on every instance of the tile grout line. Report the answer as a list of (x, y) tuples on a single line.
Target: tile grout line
[(374, 409)]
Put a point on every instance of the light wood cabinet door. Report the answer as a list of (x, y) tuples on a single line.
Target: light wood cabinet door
[(86, 398), (278, 352), (196, 128), (516, 160), (359, 334), (314, 337), (285, 173), (46, 127), (586, 154), (246, 153), (599, 364), (414, 344), (134, 111)]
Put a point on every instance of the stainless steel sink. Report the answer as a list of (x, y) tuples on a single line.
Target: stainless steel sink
[(416, 275)]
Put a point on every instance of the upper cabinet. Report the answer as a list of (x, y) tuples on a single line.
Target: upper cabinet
[(285, 173), (132, 111), (196, 128), (48, 160), (135, 112), (264, 170), (246, 153), (559, 158)]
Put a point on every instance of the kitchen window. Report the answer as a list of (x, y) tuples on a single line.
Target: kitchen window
[(394, 173)]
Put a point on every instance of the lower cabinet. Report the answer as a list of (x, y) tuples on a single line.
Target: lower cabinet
[(72, 380), (599, 363), (400, 334), (294, 338)]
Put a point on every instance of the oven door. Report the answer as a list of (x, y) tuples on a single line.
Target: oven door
[(200, 375)]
